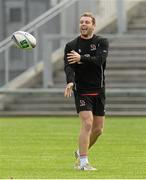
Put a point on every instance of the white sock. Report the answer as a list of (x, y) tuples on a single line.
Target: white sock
[(83, 160), (78, 152)]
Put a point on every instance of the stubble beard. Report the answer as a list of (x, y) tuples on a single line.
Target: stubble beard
[(87, 35)]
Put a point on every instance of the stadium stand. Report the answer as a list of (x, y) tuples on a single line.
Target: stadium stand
[(125, 78)]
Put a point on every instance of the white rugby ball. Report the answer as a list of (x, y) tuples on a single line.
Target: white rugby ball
[(24, 40)]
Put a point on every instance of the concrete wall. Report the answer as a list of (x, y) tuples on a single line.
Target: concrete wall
[(67, 22), (19, 60), (30, 9), (1, 20)]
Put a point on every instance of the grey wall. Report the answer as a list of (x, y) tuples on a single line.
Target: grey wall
[(20, 60), (1, 20)]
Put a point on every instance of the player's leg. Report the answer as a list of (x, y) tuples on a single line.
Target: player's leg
[(83, 107), (98, 117), (97, 129), (86, 118)]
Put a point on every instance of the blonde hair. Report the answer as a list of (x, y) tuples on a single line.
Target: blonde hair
[(89, 14)]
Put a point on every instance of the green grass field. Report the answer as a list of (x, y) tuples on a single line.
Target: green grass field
[(43, 148)]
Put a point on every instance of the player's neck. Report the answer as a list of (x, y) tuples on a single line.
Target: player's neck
[(86, 37)]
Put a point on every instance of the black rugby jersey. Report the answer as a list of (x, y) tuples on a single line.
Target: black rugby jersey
[(88, 74)]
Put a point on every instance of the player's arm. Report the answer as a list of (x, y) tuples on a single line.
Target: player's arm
[(69, 71), (101, 54)]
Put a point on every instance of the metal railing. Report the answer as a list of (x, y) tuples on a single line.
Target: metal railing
[(32, 27), (107, 10)]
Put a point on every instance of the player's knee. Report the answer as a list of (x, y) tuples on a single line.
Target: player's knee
[(88, 126), (87, 121), (98, 131)]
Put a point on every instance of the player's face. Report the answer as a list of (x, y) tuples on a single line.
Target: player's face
[(86, 27)]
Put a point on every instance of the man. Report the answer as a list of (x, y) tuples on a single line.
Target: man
[(85, 62)]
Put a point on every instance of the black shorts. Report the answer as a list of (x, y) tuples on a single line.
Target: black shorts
[(95, 103)]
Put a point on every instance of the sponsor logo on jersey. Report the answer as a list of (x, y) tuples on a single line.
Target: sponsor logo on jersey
[(87, 55)]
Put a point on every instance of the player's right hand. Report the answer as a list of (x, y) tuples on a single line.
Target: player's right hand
[(68, 90)]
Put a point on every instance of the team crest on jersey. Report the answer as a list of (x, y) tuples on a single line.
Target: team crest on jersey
[(93, 47)]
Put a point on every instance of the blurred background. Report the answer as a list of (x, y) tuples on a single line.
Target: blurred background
[(33, 82)]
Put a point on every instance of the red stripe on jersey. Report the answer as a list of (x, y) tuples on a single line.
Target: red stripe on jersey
[(90, 94)]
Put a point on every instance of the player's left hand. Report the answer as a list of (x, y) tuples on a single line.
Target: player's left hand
[(68, 90), (73, 57)]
